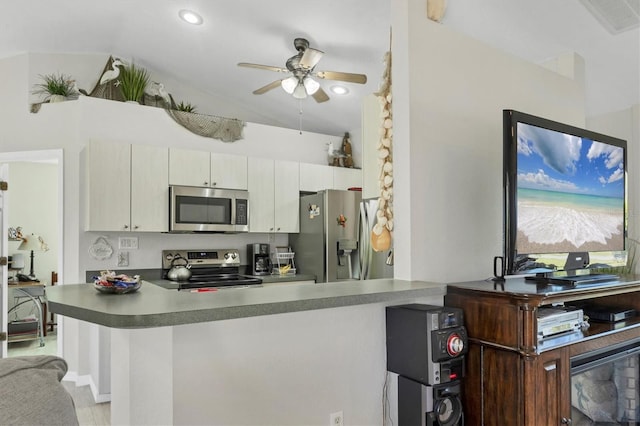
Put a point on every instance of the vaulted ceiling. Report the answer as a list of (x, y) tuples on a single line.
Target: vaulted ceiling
[(354, 35)]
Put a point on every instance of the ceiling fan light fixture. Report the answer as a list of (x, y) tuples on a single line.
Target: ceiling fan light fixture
[(190, 17), (311, 85), (339, 90), (289, 84), (299, 92)]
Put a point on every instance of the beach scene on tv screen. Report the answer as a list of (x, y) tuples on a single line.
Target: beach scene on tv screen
[(570, 193)]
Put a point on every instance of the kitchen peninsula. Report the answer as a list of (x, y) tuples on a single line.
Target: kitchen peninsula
[(273, 355)]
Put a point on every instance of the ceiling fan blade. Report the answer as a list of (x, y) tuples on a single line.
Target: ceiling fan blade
[(320, 96), (262, 67), (342, 76), (310, 58), (268, 87)]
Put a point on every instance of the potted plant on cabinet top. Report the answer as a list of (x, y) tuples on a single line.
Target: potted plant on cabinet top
[(185, 107), (55, 87), (133, 81)]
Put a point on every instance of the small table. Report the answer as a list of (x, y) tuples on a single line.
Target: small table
[(28, 288)]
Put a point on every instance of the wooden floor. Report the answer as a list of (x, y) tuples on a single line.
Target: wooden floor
[(89, 413)]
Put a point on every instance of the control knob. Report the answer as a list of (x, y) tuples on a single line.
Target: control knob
[(455, 344)]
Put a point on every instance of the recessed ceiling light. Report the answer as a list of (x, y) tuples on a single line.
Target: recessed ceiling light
[(339, 90), (190, 17)]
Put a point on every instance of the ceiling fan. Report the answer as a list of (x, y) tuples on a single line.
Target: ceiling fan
[(301, 66)]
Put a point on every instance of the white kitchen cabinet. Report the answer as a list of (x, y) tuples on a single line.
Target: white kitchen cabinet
[(315, 177), (127, 187), (108, 186), (189, 167), (201, 168), (273, 195), (287, 196), (344, 178), (149, 189), (228, 171)]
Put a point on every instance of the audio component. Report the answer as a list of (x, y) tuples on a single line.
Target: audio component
[(426, 343), (437, 405), (556, 320)]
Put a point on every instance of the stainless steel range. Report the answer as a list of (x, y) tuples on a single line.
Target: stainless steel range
[(216, 268)]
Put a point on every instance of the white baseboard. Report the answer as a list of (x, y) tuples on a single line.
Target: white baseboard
[(86, 380)]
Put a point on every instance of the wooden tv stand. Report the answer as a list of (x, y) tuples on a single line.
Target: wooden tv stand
[(509, 379)]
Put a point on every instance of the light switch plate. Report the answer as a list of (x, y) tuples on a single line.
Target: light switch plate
[(128, 243)]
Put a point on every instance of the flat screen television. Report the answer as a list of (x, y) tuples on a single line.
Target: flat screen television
[(565, 197)]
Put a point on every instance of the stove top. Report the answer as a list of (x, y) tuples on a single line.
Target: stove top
[(213, 268)]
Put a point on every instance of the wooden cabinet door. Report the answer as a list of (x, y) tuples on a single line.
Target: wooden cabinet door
[(108, 186), (149, 189), (189, 167), (315, 177), (547, 388), (261, 194), (228, 171), (344, 178), (286, 196)]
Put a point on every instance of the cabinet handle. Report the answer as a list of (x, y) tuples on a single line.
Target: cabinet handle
[(136, 227), (126, 227), (206, 183), (214, 183), (278, 229), (565, 421), (270, 229)]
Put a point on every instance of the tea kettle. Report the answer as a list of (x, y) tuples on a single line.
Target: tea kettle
[(179, 272)]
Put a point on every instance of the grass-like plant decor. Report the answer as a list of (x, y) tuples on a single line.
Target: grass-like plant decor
[(54, 84), (133, 81)]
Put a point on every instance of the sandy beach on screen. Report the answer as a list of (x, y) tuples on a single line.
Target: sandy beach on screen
[(558, 228)]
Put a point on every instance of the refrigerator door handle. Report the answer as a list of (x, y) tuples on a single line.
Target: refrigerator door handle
[(364, 243)]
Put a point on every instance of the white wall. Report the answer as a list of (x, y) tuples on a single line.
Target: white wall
[(449, 93)]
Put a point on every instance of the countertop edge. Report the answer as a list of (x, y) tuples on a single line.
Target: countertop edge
[(207, 314)]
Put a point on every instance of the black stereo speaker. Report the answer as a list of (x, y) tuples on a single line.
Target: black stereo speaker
[(426, 343), (437, 405)]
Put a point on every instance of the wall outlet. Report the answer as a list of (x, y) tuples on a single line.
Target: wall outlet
[(128, 243), (336, 419), (123, 258)]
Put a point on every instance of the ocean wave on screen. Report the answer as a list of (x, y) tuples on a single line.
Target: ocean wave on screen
[(553, 224)]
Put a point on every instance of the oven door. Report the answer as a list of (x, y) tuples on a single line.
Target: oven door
[(194, 209)]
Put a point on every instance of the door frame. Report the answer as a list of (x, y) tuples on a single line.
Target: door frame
[(50, 155)]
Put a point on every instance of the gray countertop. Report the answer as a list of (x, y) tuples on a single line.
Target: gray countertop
[(154, 306)]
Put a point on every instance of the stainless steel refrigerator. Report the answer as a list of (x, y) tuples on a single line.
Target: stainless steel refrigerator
[(331, 243), (374, 264)]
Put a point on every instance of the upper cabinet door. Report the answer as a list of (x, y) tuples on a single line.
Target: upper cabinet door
[(108, 186), (228, 171), (149, 189), (189, 167), (344, 178), (287, 196), (315, 177), (261, 191)]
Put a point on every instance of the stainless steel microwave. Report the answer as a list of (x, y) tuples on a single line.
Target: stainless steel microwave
[(195, 209)]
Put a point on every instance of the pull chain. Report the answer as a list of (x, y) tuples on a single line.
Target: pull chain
[(300, 115)]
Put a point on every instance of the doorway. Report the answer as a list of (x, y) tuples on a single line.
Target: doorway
[(34, 209)]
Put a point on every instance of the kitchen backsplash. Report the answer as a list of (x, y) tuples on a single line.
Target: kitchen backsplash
[(150, 246)]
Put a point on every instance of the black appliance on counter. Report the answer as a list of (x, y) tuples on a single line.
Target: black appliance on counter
[(210, 268), (259, 259), (426, 345)]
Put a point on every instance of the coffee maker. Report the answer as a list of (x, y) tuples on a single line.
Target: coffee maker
[(258, 255)]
